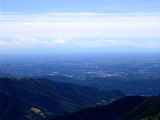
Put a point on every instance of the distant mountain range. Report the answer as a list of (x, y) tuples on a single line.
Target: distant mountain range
[(128, 108), (37, 99)]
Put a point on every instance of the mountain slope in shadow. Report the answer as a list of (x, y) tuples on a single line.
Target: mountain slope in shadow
[(128, 108), (46, 98)]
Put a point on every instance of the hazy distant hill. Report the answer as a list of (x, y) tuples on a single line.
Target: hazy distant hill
[(128, 108), (44, 98), (130, 85)]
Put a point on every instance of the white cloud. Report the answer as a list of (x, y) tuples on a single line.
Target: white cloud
[(117, 43), (31, 43), (66, 29)]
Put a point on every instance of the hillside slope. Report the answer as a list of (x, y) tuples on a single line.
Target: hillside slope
[(128, 108), (51, 98)]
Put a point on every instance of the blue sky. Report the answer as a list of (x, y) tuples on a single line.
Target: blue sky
[(38, 6), (67, 25)]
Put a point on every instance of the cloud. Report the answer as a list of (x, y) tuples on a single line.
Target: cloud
[(78, 43), (101, 43), (68, 29), (24, 42)]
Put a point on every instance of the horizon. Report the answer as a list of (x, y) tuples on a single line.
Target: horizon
[(77, 27)]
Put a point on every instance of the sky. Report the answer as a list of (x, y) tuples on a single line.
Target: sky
[(79, 26)]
